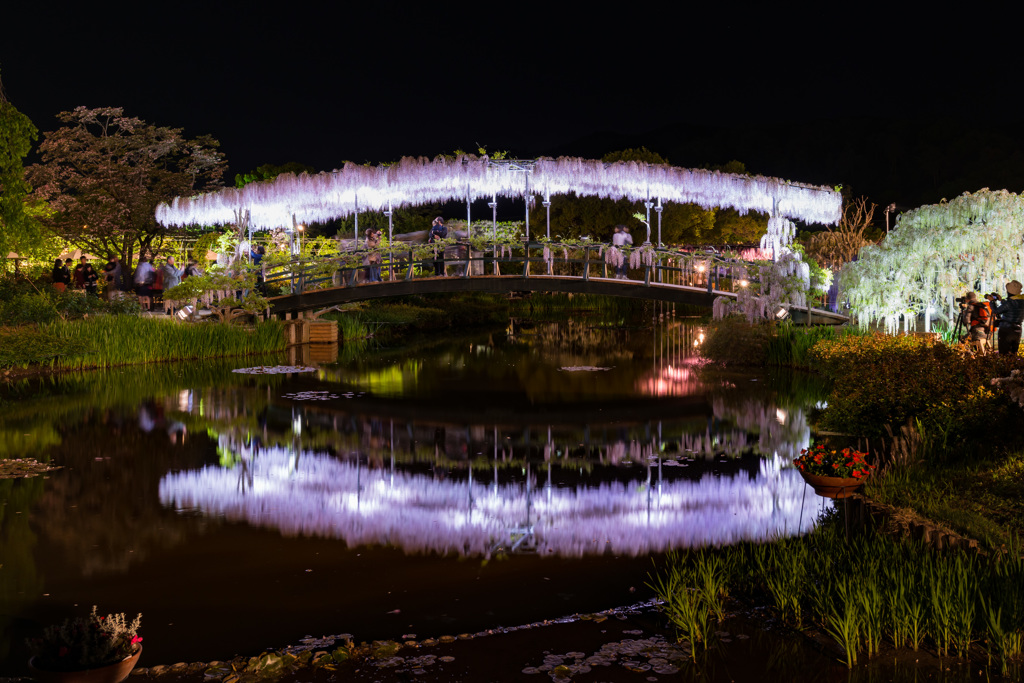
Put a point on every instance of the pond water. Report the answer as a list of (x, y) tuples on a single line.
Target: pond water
[(495, 479)]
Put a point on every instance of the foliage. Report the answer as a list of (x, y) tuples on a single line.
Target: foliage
[(105, 341), (935, 253), (19, 230), (228, 295), (821, 278), (780, 284), (271, 171), (733, 340), (830, 462), (86, 642), (834, 247), (104, 174), (867, 588), (881, 380)]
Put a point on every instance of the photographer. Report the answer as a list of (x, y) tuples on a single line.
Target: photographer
[(1009, 315), (979, 317)]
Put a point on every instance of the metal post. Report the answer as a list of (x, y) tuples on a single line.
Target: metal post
[(547, 208), (357, 220), (469, 233), (493, 204), (526, 262), (391, 252), (526, 197), (659, 208)]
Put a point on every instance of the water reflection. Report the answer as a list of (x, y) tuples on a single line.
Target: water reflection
[(692, 458), (314, 493)]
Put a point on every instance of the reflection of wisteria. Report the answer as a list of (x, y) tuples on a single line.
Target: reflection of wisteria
[(314, 494), (780, 432), (729, 442)]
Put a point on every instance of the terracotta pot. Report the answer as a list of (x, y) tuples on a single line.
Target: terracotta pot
[(832, 487), (111, 673)]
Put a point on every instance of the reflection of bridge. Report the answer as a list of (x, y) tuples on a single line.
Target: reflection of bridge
[(685, 278)]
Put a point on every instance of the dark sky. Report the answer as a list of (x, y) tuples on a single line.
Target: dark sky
[(378, 80)]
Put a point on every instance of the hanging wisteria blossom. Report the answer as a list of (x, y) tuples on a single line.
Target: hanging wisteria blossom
[(353, 189), (934, 255)]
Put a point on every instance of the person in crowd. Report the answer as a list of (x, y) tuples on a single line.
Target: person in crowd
[(77, 274), (61, 275), (145, 276), (256, 255), (438, 232), (191, 269), (86, 275), (372, 258), (978, 314), (171, 277), (112, 276), (1009, 316)]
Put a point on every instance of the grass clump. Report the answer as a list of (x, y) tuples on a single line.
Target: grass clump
[(866, 590), (107, 341)]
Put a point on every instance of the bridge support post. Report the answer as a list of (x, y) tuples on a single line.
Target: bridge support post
[(586, 264), (647, 276), (526, 258), (408, 273)]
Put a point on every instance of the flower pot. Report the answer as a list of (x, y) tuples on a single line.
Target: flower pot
[(832, 487), (111, 673)]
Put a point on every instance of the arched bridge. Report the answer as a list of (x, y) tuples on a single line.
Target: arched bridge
[(673, 277)]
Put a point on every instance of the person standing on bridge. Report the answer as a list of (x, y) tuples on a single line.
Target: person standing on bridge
[(438, 232), (620, 238)]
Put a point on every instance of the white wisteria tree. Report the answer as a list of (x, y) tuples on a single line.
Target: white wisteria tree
[(933, 255)]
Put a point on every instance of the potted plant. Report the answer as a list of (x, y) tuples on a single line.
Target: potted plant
[(833, 473), (92, 649)]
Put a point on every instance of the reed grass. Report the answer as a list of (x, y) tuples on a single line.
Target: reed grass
[(108, 341), (867, 589)]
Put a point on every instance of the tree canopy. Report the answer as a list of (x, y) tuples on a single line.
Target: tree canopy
[(104, 174), (19, 229), (935, 254)]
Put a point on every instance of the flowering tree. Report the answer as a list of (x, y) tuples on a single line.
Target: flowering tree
[(935, 253), (104, 174)]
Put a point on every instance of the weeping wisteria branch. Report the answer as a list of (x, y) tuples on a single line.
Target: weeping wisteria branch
[(933, 255), (354, 188)]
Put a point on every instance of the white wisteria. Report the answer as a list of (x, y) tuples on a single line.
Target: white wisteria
[(355, 189), (935, 254), (314, 494)]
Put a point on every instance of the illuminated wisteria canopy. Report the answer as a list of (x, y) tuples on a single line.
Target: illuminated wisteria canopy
[(316, 495), (354, 189), (934, 255)]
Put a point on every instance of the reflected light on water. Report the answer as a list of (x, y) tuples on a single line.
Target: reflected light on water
[(314, 494)]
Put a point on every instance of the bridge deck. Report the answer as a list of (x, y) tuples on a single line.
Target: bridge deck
[(504, 284)]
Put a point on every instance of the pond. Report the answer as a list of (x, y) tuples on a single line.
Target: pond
[(493, 479)]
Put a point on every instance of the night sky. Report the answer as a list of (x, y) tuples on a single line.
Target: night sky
[(903, 108)]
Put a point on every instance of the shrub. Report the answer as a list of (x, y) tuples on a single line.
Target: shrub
[(881, 380)]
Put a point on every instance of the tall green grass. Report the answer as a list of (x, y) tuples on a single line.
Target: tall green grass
[(122, 340), (864, 590)]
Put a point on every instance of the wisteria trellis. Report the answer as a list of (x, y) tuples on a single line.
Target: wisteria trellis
[(353, 189)]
